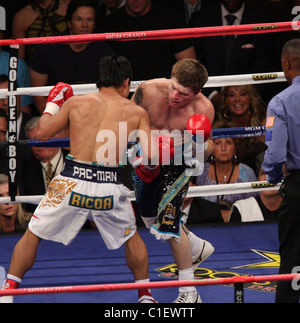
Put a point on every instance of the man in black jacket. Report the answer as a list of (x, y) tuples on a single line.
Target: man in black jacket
[(231, 55)]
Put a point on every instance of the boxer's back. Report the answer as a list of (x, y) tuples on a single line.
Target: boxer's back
[(100, 124)]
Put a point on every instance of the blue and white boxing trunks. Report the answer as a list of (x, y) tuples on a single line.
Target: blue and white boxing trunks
[(85, 191)]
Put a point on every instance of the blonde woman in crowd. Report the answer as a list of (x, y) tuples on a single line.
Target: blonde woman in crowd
[(243, 106), (12, 216)]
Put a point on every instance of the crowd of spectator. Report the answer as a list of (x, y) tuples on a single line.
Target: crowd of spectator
[(233, 160)]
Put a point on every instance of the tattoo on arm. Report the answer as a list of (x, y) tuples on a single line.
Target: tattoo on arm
[(139, 95)]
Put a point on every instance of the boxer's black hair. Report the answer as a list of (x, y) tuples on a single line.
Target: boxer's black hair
[(113, 71)]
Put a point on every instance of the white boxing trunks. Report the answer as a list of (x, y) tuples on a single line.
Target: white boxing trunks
[(85, 191)]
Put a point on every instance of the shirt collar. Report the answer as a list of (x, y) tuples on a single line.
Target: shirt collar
[(54, 161), (238, 14), (296, 79)]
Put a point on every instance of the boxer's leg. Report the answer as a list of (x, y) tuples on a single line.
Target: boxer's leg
[(137, 261), (24, 254)]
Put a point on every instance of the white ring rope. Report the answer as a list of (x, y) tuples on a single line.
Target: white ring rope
[(213, 81), (194, 191)]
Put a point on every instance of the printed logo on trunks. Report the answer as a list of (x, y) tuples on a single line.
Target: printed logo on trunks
[(99, 175), (92, 202)]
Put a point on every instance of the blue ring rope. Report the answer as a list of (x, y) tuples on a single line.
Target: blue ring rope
[(242, 132)]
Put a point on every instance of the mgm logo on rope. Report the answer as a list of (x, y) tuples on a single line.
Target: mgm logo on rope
[(2, 19)]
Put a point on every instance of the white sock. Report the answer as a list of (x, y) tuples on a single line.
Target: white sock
[(14, 278), (143, 281), (187, 274), (196, 244)]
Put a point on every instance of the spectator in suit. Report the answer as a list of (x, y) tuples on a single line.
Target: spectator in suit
[(42, 167), (107, 7), (187, 7), (228, 55), (150, 58)]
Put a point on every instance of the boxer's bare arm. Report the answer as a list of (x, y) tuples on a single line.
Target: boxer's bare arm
[(149, 147), (49, 125)]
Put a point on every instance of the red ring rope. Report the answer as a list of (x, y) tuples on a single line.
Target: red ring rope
[(151, 35), (156, 34), (152, 285)]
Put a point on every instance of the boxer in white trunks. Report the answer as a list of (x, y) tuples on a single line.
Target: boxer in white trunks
[(176, 104), (90, 184)]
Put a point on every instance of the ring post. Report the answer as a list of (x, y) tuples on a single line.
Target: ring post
[(12, 120), (239, 293)]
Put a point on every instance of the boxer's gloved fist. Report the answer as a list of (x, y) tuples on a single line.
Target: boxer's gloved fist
[(147, 173), (166, 149), (57, 96), (199, 122)]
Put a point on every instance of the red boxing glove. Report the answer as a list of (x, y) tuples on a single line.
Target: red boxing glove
[(146, 173), (166, 149), (57, 97), (199, 122)]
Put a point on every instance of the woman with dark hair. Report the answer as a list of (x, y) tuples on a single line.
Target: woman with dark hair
[(224, 167)]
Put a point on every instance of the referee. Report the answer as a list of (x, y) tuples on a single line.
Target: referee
[(282, 139)]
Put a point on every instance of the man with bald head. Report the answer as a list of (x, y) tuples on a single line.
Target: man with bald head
[(282, 139)]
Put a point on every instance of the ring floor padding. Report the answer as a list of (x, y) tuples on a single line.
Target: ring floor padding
[(87, 261)]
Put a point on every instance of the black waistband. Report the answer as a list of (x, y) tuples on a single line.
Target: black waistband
[(92, 173)]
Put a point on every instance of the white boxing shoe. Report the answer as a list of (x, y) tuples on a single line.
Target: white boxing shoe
[(188, 297), (206, 251)]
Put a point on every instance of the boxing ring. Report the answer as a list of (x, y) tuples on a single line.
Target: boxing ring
[(87, 272)]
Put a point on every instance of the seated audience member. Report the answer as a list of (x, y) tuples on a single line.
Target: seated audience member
[(197, 210), (13, 218), (107, 7), (39, 19), (149, 58), (42, 167), (263, 207), (23, 75), (69, 63), (243, 106), (224, 168), (187, 7), (232, 54)]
